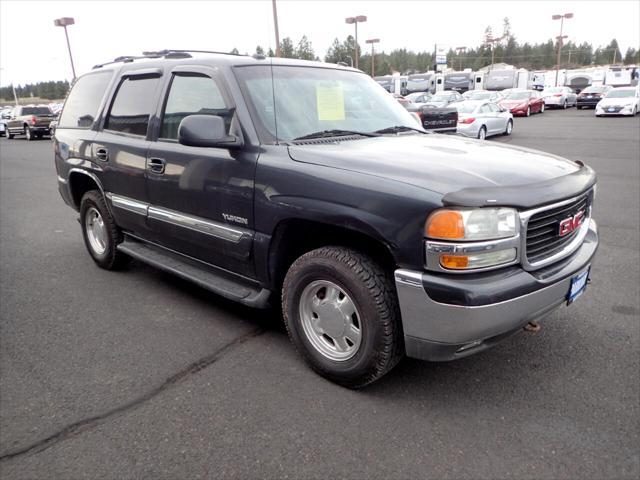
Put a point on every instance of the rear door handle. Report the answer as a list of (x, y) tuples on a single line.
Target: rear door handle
[(102, 154), (156, 165)]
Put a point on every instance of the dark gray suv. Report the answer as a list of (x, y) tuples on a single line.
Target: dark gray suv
[(304, 184)]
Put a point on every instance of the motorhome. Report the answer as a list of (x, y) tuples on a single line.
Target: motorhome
[(420, 82), (459, 81), (385, 82), (508, 78), (617, 76)]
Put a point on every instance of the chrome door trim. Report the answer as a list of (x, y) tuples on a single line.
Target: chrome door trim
[(128, 204), (196, 224)]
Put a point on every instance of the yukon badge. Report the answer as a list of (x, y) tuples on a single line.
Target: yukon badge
[(235, 219)]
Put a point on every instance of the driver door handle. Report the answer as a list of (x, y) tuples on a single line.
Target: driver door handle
[(156, 165), (102, 154)]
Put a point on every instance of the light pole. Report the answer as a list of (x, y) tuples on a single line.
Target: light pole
[(373, 41), (460, 50), (355, 21), (560, 38), (275, 24), (63, 22)]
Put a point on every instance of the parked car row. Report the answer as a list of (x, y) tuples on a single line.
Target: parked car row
[(32, 121), (482, 113)]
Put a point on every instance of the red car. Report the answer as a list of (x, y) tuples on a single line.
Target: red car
[(523, 102)]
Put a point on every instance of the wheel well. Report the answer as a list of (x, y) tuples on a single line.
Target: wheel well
[(293, 238), (79, 184)]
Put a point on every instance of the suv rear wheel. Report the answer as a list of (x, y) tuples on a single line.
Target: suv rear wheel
[(342, 314), (28, 133), (100, 232)]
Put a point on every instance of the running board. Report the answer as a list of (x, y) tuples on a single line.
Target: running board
[(197, 272)]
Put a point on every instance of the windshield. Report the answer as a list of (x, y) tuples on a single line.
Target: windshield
[(479, 95), (594, 90), (517, 96), (441, 96), (620, 94), (554, 90), (311, 99), (36, 111), (465, 107), (414, 96)]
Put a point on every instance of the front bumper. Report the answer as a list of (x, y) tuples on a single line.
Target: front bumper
[(445, 319)]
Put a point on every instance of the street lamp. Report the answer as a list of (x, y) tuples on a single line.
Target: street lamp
[(372, 41), (460, 50), (355, 21), (560, 38), (63, 22)]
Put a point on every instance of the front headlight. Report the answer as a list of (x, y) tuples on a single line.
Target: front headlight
[(464, 239), (471, 224)]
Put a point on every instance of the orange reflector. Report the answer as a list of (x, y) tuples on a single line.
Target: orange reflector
[(445, 224), (454, 261)]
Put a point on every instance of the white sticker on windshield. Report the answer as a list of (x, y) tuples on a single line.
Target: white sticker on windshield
[(330, 102)]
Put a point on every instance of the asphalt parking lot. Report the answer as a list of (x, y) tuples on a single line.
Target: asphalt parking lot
[(138, 374)]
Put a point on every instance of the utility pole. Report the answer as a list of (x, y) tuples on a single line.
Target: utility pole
[(460, 50), (275, 24), (560, 38), (373, 41), (355, 21), (615, 54)]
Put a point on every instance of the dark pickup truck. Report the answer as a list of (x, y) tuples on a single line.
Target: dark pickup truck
[(302, 184), (32, 122)]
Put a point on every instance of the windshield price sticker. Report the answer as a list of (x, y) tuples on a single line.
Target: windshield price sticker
[(330, 102)]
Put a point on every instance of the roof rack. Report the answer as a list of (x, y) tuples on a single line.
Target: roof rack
[(163, 54)]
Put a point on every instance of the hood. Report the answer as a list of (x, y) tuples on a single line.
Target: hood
[(513, 103), (440, 163), (605, 102)]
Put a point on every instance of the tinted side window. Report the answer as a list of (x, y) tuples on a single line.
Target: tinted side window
[(192, 94), (485, 109), (134, 102), (81, 107)]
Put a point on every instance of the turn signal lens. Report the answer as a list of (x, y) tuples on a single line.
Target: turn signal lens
[(454, 261), (478, 260), (445, 224)]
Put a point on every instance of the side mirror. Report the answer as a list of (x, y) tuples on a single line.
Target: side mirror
[(206, 131)]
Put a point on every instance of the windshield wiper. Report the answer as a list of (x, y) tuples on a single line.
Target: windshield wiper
[(399, 128), (334, 133)]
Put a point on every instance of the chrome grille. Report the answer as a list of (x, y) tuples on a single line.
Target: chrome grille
[(543, 238)]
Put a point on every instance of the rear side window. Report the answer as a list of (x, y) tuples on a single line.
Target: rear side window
[(36, 111), (192, 94), (81, 107), (134, 102)]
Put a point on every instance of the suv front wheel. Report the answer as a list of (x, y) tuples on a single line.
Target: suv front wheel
[(341, 313), (100, 232)]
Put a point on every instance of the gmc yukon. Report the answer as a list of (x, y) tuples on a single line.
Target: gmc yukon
[(303, 184)]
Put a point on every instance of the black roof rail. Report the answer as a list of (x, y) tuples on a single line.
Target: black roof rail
[(168, 53)]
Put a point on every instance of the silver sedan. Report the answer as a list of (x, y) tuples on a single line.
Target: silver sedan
[(481, 119), (559, 97)]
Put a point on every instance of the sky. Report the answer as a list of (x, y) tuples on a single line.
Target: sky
[(33, 49)]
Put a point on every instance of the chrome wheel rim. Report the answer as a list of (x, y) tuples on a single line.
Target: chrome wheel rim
[(330, 320), (509, 128), (528, 111), (96, 231), (542, 109), (27, 133), (482, 134)]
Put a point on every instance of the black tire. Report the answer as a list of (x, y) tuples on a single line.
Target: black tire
[(507, 130), (373, 293), (528, 114), (9, 135), (579, 107), (482, 133), (111, 259), (28, 134), (564, 105)]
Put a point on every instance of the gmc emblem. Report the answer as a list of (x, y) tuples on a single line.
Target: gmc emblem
[(570, 224)]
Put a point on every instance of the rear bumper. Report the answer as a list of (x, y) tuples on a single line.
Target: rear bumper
[(554, 102), (470, 130), (466, 322)]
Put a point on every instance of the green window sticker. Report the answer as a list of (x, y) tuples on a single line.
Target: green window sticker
[(330, 102)]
